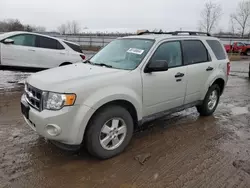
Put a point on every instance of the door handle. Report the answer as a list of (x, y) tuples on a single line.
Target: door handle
[(209, 68), (179, 75), (32, 50), (62, 53)]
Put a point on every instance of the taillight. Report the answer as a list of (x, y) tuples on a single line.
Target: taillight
[(83, 57), (228, 68)]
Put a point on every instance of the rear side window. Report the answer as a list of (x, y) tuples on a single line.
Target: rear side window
[(217, 49), (74, 47), (45, 42), (194, 51)]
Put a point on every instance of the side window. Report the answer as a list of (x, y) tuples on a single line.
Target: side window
[(169, 51), (49, 43), (24, 40), (60, 46), (240, 44), (74, 47), (217, 49), (194, 51)]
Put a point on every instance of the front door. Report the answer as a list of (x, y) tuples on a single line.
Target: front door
[(165, 90), (21, 53)]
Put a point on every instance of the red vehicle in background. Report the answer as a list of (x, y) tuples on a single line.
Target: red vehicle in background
[(238, 47)]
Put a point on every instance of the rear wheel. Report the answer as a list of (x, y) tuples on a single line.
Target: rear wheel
[(109, 132), (210, 102), (248, 52)]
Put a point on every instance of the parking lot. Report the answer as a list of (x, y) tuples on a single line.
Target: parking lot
[(179, 150)]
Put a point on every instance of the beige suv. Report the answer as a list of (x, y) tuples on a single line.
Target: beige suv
[(134, 79)]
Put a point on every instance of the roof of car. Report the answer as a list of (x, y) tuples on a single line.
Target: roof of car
[(25, 32), (159, 37)]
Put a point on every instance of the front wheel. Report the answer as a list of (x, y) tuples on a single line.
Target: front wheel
[(109, 132), (210, 102)]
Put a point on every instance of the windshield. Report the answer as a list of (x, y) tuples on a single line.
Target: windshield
[(123, 53)]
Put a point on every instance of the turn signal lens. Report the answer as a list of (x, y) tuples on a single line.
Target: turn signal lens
[(70, 99)]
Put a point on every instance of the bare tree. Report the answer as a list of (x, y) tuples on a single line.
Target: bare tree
[(75, 27), (68, 28), (3, 26), (16, 25), (242, 16), (210, 16), (11, 25), (71, 27), (232, 25), (39, 29), (62, 29)]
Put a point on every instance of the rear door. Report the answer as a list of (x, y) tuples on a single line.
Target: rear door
[(199, 68), (50, 52), (21, 53)]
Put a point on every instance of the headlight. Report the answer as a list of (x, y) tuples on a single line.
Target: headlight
[(56, 101)]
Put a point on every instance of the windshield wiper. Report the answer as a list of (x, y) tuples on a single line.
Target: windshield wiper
[(102, 64), (88, 61)]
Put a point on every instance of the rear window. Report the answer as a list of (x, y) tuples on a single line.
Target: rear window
[(74, 47), (45, 42), (217, 49)]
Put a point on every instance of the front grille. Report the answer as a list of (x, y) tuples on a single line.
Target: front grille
[(33, 97)]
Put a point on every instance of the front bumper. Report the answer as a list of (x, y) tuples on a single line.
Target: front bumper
[(71, 122)]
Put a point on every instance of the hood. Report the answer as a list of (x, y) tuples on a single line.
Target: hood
[(60, 78)]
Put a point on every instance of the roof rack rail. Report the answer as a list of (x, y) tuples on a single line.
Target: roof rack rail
[(175, 33)]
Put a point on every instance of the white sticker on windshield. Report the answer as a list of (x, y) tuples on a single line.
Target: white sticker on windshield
[(135, 51)]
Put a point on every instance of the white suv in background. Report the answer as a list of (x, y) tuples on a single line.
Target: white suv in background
[(132, 80), (32, 50)]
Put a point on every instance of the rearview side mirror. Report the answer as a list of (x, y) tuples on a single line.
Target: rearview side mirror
[(156, 66), (8, 41)]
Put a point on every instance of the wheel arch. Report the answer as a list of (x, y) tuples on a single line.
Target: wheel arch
[(221, 83), (65, 63), (119, 102), (219, 79)]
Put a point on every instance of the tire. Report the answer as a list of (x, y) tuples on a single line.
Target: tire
[(109, 115), (66, 147), (248, 52), (204, 108)]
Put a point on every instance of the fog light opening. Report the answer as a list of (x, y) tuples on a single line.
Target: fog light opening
[(53, 130)]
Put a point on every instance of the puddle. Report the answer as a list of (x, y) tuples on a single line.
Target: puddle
[(12, 79), (239, 110)]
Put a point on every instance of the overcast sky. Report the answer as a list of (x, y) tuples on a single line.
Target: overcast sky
[(138, 14)]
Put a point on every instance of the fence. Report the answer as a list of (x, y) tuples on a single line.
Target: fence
[(92, 41), (102, 40)]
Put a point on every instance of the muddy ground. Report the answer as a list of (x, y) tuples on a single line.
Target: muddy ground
[(180, 150)]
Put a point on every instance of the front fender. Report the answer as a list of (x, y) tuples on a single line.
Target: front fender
[(101, 97), (108, 94)]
